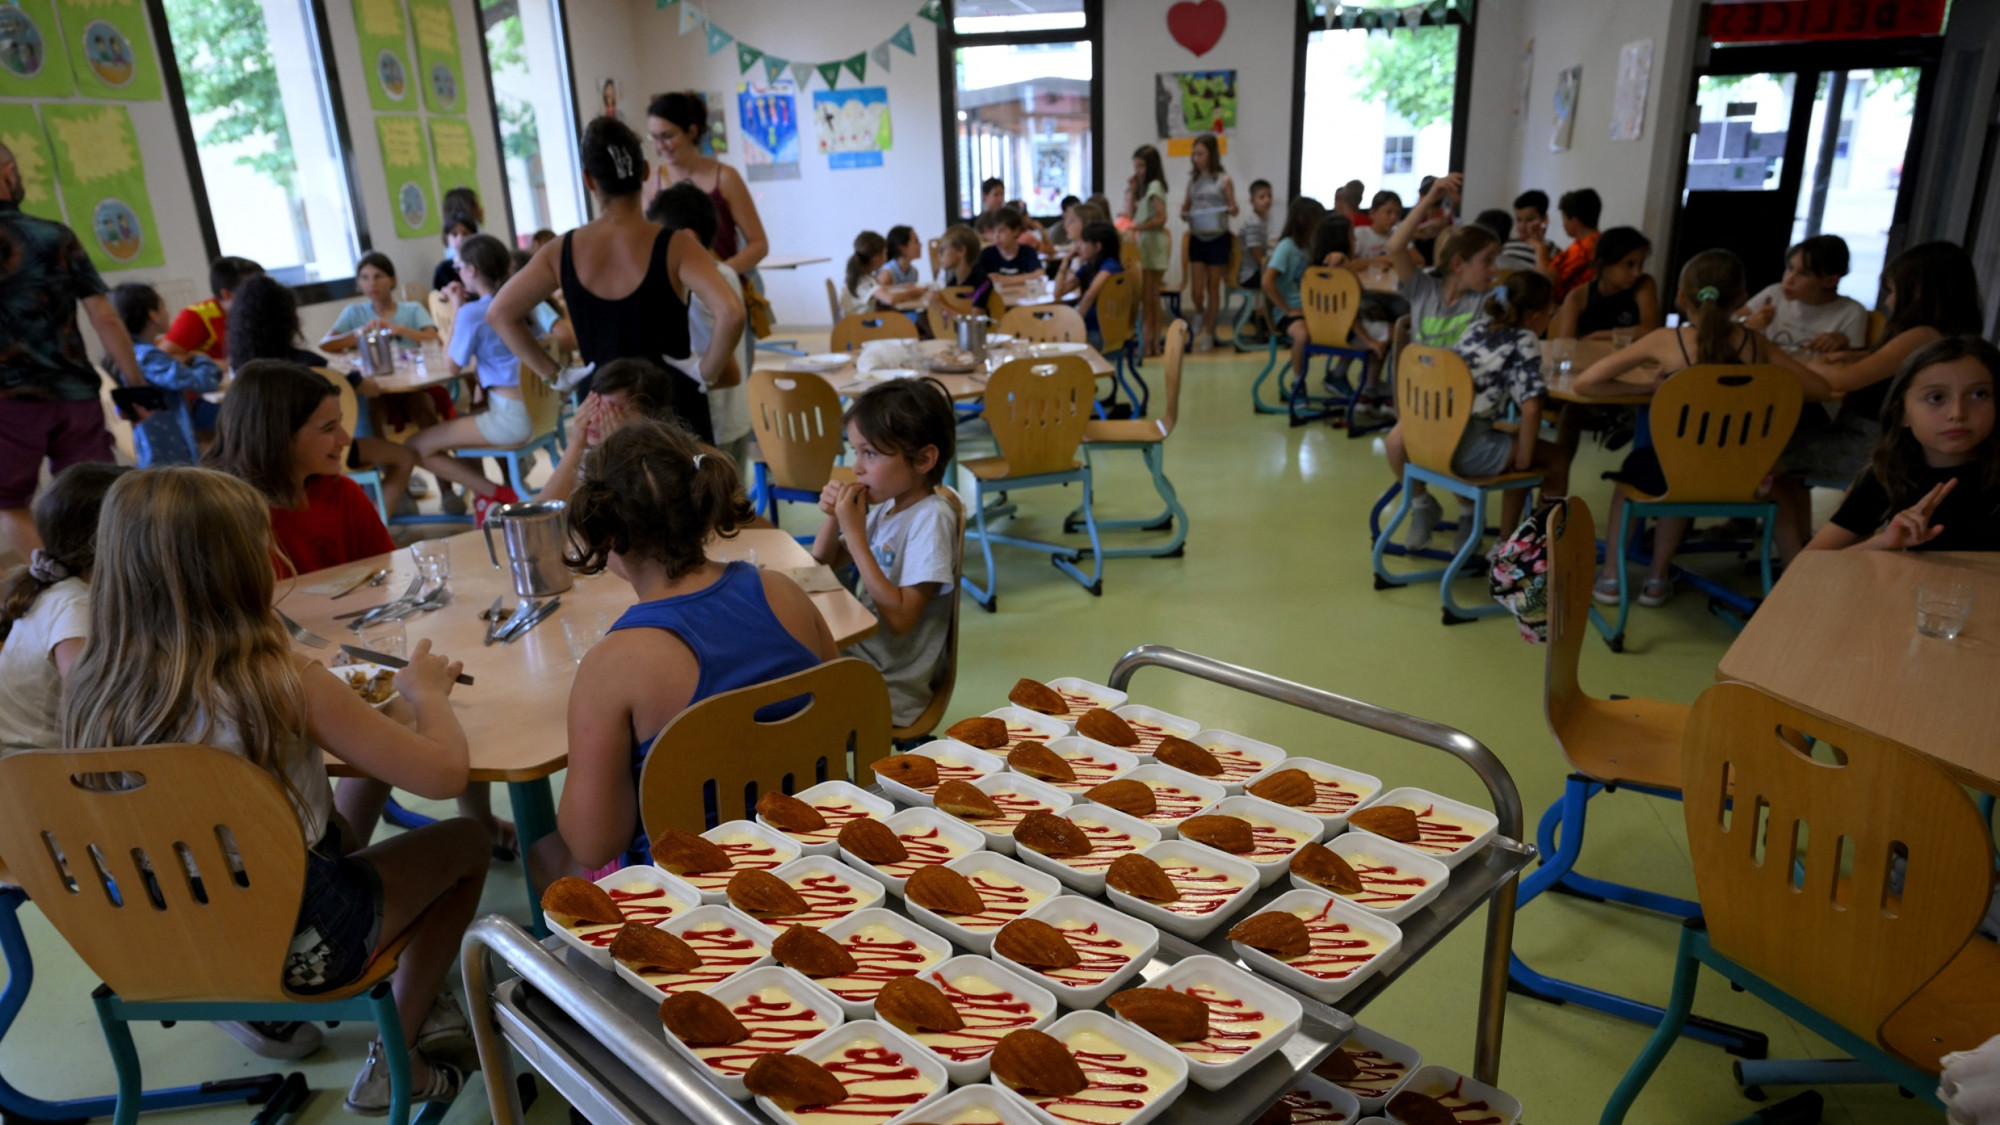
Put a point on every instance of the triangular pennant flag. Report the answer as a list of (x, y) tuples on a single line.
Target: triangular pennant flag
[(1439, 10), (829, 73), (904, 39), (933, 10), (774, 67), (718, 39), (1465, 8), (802, 73), (690, 18), (1348, 16), (1412, 16), (858, 66), (746, 57), (879, 53), (664, 3)]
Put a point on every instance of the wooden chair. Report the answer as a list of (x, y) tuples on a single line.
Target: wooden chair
[(956, 299), (1149, 438), (442, 314), (1878, 329), (1331, 300), (935, 247), (1037, 409), (370, 479), (947, 676), (711, 761), (850, 332), (1118, 333), (1718, 430), (1173, 285), (180, 895), (1841, 877), (1233, 288), (1611, 744), (833, 302), (544, 433), (796, 417), (1044, 324), (1434, 399)]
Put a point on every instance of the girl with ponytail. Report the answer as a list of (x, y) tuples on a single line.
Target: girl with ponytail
[(650, 499), (871, 252), (1711, 290)]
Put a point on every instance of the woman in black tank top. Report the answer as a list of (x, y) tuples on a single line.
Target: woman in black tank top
[(651, 321)]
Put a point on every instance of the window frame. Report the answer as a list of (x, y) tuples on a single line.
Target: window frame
[(559, 13), (950, 40), (1310, 20), (321, 44)]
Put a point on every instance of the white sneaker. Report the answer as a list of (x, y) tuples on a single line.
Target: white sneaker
[(274, 1040), (445, 1023), (369, 1096), (1424, 516), (419, 487)]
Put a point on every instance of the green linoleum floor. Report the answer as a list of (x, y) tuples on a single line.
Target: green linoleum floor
[(1276, 578)]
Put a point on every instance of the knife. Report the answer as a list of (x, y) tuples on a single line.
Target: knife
[(383, 658), (533, 620), (364, 580), (494, 618)]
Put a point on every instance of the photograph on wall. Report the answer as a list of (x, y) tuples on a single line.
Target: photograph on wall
[(1567, 83), (853, 126), (110, 49), (1190, 102), (103, 181), (769, 117), (714, 138), (437, 55), (406, 166), (21, 132), (1628, 108), (455, 154), (32, 63), (1526, 80), (385, 49), (607, 99)]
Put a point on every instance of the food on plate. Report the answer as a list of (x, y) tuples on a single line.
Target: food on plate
[(1275, 932), (651, 949), (373, 687), (700, 1020), (918, 771), (913, 1005), (1036, 944), (1106, 727), (964, 800), (570, 901), (1412, 1108), (762, 894), (1184, 755), (1391, 822), (1052, 836), (1036, 760), (984, 732), (685, 853), (881, 954), (792, 1081), (787, 813), (1224, 833), (810, 952), (1292, 787), (943, 890), (872, 841), (1039, 697), (1035, 1062), (1317, 863), (1134, 798), (1140, 877), (1173, 1016)]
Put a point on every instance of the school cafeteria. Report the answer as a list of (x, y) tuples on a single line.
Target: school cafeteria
[(999, 562)]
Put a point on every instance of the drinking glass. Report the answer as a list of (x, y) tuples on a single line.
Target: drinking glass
[(1942, 608), (386, 637), (433, 558), (583, 629), (1562, 354), (1621, 338)]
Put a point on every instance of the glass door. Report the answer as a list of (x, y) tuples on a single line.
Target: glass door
[(1743, 166), (1860, 137)]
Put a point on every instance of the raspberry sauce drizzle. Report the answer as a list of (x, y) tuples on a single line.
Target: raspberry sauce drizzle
[(859, 1068), (1377, 881), (1338, 949), (1440, 836), (1237, 766), (1110, 1086), (1106, 844), (1269, 842), (1102, 955), (1469, 1111), (876, 963), (1228, 1035), (926, 846), (1014, 807), (1090, 771), (1017, 732), (827, 900), (1149, 734), (649, 907), (1377, 1072), (723, 952), (1005, 901), (774, 1026), (988, 1017), (1201, 893), (744, 854), (1330, 798), (1306, 1110), (836, 813), (1174, 804)]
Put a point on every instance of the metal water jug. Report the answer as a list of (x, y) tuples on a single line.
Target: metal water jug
[(536, 534), (972, 331), (378, 353)]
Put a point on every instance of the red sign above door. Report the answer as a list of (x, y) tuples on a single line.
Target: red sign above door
[(1768, 21)]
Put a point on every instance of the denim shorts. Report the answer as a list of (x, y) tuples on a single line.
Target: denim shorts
[(340, 920)]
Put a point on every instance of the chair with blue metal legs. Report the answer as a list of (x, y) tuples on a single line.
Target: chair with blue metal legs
[(796, 417), (180, 889), (1118, 334), (1149, 439), (544, 404), (1330, 300), (1037, 409), (1434, 400), (1612, 745), (1718, 430), (1841, 878)]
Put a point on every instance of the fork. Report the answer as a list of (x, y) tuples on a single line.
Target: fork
[(409, 595), (302, 634)]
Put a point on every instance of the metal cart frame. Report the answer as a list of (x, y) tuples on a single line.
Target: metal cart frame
[(598, 1041)]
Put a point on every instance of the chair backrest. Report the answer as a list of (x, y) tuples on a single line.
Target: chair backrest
[(350, 404), (1176, 352), (938, 316), (1434, 402), (1117, 311), (1128, 251), (936, 248), (1045, 324), (720, 742), (947, 673), (1037, 409), (833, 301), (442, 314), (1572, 557), (1718, 430), (853, 331), (796, 417), (1331, 299), (1878, 328), (956, 299), (140, 881), (1772, 791), (1234, 278), (544, 404)]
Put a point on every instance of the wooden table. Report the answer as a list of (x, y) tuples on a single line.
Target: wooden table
[(433, 371), (516, 714), (849, 381), (1378, 279), (790, 261), (1839, 636)]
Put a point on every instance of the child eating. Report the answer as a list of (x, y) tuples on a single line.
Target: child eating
[(1805, 311)]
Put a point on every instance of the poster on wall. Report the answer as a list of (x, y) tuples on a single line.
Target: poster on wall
[(437, 55), (715, 136), (1191, 102), (385, 52), (1628, 108), (32, 60), (853, 126), (110, 49), (21, 132), (769, 115), (1566, 86), (406, 165), (455, 154), (104, 184), (607, 95)]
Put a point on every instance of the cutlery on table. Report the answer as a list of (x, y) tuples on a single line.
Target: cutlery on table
[(523, 609), (375, 579), (302, 634), (385, 659), (493, 618), (381, 611), (534, 619)]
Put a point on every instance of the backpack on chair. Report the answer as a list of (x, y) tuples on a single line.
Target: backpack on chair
[(1519, 576)]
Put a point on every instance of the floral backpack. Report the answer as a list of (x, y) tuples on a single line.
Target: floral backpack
[(1519, 576)]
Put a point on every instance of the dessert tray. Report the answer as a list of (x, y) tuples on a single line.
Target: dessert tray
[(1047, 953)]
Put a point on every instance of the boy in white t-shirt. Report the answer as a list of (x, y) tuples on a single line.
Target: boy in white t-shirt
[(1805, 311), (902, 435)]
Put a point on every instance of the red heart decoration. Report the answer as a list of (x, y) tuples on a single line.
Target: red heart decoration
[(1197, 24)]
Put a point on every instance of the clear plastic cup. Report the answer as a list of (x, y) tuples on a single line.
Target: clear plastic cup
[(386, 637), (1942, 608), (1621, 338), (583, 629), (433, 559)]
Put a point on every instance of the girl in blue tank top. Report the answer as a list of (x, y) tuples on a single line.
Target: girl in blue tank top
[(649, 500)]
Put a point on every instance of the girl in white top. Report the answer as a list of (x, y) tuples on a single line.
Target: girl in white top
[(45, 607), (185, 646)]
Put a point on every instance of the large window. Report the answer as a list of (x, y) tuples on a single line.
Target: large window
[(1374, 90), (1023, 101), (532, 111), (263, 105)]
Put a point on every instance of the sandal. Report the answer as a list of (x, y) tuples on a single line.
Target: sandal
[(1655, 592)]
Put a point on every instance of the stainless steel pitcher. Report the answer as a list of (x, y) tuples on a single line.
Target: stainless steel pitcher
[(536, 534), (377, 353), (972, 329)]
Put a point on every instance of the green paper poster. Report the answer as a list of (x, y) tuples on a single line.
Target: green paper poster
[(406, 164), (438, 55), (385, 53), (21, 132), (32, 60), (110, 49), (457, 159), (104, 184)]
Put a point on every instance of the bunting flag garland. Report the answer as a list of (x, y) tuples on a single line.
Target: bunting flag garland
[(746, 57), (879, 54), (718, 39), (904, 37), (933, 10), (829, 73), (857, 66), (690, 18), (1412, 16), (774, 67), (664, 3), (802, 73)]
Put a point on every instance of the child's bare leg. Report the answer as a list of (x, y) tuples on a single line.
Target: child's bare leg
[(1667, 536), (431, 879), (476, 803), (359, 801), (1794, 526), (1614, 547), (1398, 456)]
